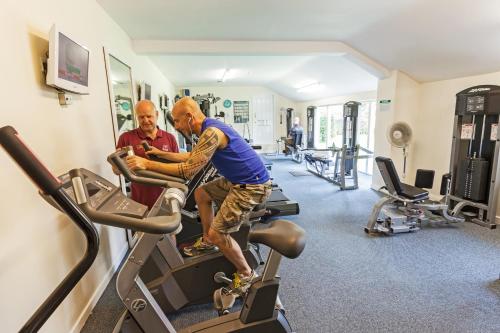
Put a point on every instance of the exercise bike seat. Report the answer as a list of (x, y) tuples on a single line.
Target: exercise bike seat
[(282, 236)]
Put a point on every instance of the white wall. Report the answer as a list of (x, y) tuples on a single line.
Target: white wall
[(404, 94), (38, 245), (246, 93)]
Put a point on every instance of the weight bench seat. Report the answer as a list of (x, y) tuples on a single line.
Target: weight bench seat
[(394, 184)]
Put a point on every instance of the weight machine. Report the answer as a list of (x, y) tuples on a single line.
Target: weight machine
[(474, 158), (404, 207), (338, 165), (293, 140)]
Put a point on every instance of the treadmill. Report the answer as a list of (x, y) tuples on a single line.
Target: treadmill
[(278, 203)]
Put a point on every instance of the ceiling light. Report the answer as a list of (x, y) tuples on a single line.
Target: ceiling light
[(310, 87), (224, 75)]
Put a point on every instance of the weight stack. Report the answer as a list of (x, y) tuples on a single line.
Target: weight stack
[(472, 179), (349, 162)]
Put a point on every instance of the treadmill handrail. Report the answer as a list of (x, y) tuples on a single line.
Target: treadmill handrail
[(26, 160), (116, 159), (50, 185), (163, 224)]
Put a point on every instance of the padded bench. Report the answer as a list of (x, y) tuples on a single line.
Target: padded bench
[(394, 184)]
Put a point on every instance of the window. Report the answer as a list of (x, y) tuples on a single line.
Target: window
[(330, 123)]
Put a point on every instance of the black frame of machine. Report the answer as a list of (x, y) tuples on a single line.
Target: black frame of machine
[(474, 168)]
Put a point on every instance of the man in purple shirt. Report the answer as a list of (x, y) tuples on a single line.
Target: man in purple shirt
[(147, 117), (244, 184)]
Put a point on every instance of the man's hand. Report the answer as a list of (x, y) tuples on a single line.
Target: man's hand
[(116, 171), (137, 163), (154, 151)]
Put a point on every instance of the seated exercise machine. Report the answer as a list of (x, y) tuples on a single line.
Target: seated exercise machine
[(404, 207), (293, 146), (293, 140), (176, 281), (337, 165)]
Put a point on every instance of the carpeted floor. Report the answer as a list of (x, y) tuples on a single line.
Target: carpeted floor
[(439, 279)]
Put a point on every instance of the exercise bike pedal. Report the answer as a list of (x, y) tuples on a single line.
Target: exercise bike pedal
[(220, 277), (224, 300)]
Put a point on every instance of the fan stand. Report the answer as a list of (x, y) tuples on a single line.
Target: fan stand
[(404, 162)]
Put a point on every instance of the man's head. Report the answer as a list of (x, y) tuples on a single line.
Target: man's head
[(147, 116), (187, 116), (296, 121)]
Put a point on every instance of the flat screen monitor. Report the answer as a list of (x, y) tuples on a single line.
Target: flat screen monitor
[(68, 63)]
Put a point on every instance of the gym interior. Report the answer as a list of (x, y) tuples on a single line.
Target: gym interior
[(377, 122)]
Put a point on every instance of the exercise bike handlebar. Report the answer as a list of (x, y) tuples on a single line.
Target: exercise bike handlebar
[(164, 224), (50, 185), (150, 177)]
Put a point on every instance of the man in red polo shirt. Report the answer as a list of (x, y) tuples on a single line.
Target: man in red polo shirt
[(147, 117)]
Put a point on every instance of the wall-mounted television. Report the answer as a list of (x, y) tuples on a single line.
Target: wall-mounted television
[(68, 63)]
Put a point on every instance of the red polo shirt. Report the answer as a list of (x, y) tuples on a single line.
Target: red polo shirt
[(145, 194)]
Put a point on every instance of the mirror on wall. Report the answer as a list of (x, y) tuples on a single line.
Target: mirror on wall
[(121, 94)]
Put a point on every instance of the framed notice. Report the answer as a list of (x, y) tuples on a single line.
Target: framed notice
[(241, 112), (494, 132), (467, 131)]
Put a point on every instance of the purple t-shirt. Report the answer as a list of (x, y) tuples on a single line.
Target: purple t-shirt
[(237, 162)]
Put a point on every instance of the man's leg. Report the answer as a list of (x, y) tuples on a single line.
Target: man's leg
[(205, 209), (234, 211), (205, 195), (231, 250)]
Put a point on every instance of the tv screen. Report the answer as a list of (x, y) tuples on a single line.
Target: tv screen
[(73, 61), (68, 63)]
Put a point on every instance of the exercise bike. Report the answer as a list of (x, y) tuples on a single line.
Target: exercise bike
[(177, 281)]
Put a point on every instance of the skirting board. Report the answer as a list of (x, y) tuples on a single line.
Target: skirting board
[(80, 322)]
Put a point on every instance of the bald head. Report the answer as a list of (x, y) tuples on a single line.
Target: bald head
[(145, 104), (187, 116), (186, 105)]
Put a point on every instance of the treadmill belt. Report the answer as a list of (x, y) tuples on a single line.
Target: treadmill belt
[(277, 196)]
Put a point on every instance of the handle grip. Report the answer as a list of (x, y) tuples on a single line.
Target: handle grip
[(24, 157)]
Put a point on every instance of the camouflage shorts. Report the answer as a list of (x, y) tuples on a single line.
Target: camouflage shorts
[(235, 202)]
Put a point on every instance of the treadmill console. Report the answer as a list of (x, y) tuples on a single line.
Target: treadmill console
[(104, 196)]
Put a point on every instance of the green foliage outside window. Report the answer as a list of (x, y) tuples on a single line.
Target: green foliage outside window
[(322, 129)]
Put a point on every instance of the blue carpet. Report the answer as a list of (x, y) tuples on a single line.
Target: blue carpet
[(439, 279)]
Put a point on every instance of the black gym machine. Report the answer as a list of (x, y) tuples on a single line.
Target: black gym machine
[(473, 191)]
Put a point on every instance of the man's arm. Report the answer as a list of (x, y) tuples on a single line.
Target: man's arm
[(210, 140), (168, 155)]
